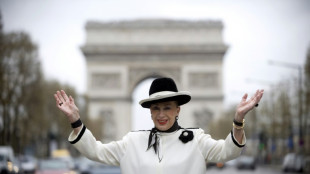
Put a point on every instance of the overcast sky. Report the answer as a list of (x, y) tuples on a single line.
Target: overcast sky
[(255, 31)]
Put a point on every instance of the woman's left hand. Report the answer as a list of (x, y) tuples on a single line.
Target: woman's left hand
[(246, 105)]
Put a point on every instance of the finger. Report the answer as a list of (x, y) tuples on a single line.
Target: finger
[(71, 99), (63, 93), (260, 95), (56, 98), (254, 96), (61, 99), (262, 92), (245, 96), (57, 101)]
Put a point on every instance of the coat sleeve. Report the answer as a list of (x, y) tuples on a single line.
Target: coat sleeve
[(219, 150), (88, 146)]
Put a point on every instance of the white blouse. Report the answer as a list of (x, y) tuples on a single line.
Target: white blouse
[(132, 156)]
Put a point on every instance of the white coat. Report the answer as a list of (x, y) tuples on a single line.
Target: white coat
[(132, 156)]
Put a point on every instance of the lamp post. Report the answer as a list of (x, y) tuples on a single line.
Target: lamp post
[(300, 106), (261, 135)]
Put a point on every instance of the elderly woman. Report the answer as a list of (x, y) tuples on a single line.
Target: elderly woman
[(167, 148)]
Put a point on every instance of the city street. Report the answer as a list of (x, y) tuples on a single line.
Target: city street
[(258, 170), (127, 87)]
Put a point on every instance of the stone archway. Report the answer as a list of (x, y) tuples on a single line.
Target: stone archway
[(119, 55)]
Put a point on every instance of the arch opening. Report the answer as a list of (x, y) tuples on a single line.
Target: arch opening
[(141, 117)]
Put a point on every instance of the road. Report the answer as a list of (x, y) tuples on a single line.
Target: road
[(258, 170)]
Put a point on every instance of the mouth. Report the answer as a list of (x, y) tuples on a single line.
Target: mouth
[(162, 122)]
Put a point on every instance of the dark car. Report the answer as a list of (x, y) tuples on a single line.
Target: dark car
[(246, 162), (8, 166), (219, 165), (4, 164)]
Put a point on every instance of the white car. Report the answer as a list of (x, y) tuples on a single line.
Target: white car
[(293, 163), (28, 164)]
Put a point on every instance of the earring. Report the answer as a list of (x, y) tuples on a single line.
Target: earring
[(177, 117)]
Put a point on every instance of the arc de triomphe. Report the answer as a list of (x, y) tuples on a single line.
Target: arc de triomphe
[(120, 55)]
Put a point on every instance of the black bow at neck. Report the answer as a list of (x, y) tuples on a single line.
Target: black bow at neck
[(154, 139)]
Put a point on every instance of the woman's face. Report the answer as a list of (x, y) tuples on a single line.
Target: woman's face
[(164, 114)]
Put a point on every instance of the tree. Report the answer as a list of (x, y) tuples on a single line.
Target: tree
[(307, 100), (27, 105), (19, 70)]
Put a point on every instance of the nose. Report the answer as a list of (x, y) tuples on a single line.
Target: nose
[(161, 113)]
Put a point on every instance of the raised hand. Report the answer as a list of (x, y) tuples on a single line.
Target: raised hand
[(67, 106), (246, 105)]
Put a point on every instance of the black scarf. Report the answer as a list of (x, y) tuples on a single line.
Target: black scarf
[(153, 136)]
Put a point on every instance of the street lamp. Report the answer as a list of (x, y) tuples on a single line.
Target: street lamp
[(299, 68), (273, 132)]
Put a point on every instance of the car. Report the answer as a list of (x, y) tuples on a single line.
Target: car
[(53, 166), (86, 166), (219, 165), (83, 164), (63, 155), (28, 164), (246, 162), (7, 166), (232, 163), (8, 163), (4, 164), (293, 162), (104, 169)]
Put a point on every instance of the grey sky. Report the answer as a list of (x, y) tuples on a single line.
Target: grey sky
[(255, 31)]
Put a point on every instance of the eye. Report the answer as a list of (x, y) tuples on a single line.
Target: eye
[(155, 108), (167, 108)]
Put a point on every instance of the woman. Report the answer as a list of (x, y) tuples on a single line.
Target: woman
[(167, 148)]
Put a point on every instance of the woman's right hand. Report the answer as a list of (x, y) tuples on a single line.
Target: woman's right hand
[(67, 106)]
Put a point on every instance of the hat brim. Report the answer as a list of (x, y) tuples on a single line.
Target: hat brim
[(182, 97)]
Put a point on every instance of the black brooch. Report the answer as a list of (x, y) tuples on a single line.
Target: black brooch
[(186, 136)]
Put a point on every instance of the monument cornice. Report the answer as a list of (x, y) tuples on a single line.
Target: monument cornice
[(92, 50), (208, 98), (98, 98), (154, 24)]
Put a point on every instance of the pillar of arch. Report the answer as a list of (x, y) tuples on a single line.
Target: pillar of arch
[(119, 55)]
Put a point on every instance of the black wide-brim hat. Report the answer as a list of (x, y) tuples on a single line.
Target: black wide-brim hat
[(164, 89)]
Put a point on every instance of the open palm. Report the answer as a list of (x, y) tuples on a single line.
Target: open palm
[(246, 105), (66, 105)]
